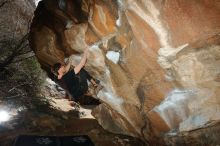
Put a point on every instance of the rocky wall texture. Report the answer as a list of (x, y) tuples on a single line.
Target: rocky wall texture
[(15, 18), (157, 60)]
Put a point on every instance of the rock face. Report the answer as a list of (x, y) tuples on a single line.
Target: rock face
[(15, 18), (14, 25), (157, 60)]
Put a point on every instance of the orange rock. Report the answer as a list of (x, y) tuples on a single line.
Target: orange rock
[(161, 46), (157, 123), (102, 21)]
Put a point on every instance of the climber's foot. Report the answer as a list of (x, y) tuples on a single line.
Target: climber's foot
[(98, 87), (75, 105), (69, 24)]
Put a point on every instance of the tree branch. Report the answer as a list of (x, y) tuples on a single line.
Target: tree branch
[(16, 51), (3, 3)]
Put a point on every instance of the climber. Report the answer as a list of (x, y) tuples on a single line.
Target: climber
[(75, 79)]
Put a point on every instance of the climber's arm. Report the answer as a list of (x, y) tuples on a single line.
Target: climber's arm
[(82, 62), (67, 67)]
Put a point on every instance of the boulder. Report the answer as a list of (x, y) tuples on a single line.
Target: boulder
[(157, 60)]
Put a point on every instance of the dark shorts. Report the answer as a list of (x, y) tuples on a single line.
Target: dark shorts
[(82, 88)]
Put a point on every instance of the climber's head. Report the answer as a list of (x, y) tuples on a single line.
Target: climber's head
[(58, 68)]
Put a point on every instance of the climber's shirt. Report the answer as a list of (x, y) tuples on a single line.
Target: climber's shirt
[(76, 83)]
